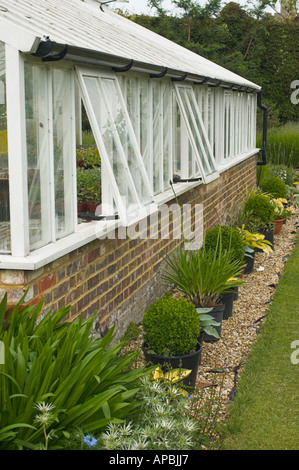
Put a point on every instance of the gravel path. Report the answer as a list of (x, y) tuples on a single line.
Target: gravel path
[(222, 361)]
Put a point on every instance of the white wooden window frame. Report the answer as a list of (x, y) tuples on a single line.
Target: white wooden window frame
[(198, 127), (115, 193), (17, 156), (47, 170), (20, 257)]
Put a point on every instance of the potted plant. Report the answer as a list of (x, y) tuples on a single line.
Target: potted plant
[(275, 187), (252, 242), (202, 276), (209, 327), (258, 215), (88, 156), (226, 237), (89, 187), (171, 330), (282, 212)]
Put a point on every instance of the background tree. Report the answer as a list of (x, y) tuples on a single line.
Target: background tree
[(249, 41)]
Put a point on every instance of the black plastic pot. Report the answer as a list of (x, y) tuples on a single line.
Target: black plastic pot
[(217, 314), (269, 235), (236, 292), (249, 260), (187, 361), (227, 299)]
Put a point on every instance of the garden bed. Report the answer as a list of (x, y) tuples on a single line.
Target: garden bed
[(223, 361)]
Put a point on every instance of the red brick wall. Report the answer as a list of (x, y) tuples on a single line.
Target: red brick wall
[(119, 278)]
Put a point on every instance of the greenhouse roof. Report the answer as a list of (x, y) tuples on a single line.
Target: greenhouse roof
[(80, 30)]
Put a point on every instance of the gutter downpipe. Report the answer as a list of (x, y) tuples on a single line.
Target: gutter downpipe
[(265, 128), (265, 131)]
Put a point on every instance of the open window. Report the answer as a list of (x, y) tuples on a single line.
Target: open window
[(126, 186), (198, 157)]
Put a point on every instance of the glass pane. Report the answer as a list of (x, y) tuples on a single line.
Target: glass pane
[(167, 135), (5, 246), (62, 135), (132, 103), (121, 149), (157, 137), (38, 151), (210, 167), (177, 135), (250, 118), (144, 125)]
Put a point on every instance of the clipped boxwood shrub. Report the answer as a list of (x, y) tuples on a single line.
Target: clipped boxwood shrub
[(230, 239), (275, 187), (171, 327), (260, 209)]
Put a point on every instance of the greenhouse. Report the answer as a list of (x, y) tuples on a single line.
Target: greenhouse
[(162, 117)]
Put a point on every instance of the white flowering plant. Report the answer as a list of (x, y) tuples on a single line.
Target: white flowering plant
[(164, 423)]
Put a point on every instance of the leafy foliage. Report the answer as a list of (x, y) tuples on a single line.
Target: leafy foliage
[(89, 185), (248, 41), (202, 275), (259, 208), (275, 187), (222, 237), (86, 381), (166, 423), (171, 326)]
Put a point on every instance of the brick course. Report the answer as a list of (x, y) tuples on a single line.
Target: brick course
[(119, 278)]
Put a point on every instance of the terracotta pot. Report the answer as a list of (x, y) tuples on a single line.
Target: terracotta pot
[(278, 224), (81, 207), (91, 207)]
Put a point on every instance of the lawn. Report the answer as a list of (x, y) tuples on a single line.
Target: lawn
[(265, 412)]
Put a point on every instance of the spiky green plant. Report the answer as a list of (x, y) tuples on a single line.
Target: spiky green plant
[(54, 360), (202, 275)]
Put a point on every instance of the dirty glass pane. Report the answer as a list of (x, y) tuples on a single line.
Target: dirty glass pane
[(38, 153), (49, 139), (197, 127), (144, 125), (62, 148), (157, 138), (167, 136), (120, 142), (5, 246)]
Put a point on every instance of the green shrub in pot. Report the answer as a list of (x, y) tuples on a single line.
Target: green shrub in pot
[(171, 327), (222, 237), (258, 211), (275, 187)]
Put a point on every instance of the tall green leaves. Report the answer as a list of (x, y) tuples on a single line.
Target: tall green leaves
[(202, 275), (57, 361)]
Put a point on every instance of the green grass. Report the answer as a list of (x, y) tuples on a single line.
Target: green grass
[(88, 138), (265, 412), (282, 144)]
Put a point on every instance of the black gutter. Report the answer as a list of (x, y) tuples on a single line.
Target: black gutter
[(50, 50), (265, 128)]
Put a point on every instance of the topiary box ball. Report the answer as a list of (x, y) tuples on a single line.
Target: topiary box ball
[(260, 207), (171, 327), (275, 187)]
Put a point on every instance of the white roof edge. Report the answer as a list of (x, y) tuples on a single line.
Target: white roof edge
[(18, 37), (77, 23)]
